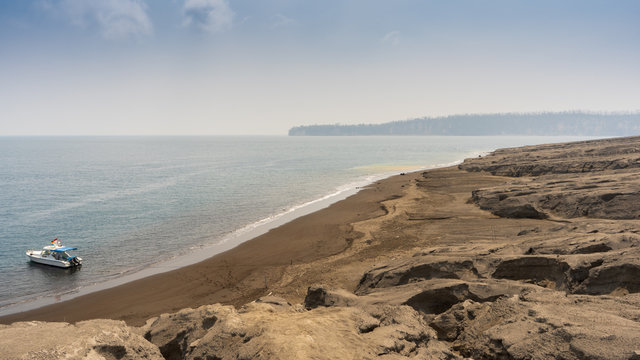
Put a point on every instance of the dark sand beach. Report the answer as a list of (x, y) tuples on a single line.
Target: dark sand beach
[(234, 277), (526, 253)]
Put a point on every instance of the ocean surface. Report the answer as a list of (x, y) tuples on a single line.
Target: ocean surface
[(141, 205)]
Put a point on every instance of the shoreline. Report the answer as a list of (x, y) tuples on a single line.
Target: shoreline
[(192, 256), (226, 243), (488, 259), (14, 301), (29, 308)]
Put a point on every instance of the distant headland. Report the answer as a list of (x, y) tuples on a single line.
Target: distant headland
[(577, 123)]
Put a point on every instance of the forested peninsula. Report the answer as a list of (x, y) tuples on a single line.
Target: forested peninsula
[(542, 123)]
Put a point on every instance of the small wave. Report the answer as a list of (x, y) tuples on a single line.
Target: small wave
[(106, 196), (272, 218), (387, 168), (335, 194)]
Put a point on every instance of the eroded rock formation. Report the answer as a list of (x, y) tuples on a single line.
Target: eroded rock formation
[(92, 339)]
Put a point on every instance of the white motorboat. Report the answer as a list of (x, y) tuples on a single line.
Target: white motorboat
[(55, 255)]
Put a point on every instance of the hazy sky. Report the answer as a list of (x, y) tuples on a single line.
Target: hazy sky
[(260, 66)]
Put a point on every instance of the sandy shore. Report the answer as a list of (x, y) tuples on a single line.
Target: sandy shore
[(333, 246), (233, 277)]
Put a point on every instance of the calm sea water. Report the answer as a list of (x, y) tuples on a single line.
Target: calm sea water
[(130, 202)]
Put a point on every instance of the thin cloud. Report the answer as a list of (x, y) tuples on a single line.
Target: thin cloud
[(115, 18), (391, 38), (282, 21), (208, 15)]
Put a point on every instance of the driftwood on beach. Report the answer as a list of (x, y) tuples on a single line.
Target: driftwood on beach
[(527, 253)]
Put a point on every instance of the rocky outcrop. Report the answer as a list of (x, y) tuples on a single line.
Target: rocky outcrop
[(542, 325), (547, 271), (619, 276), (524, 307), (594, 179), (268, 330), (576, 157), (93, 339), (321, 296), (612, 195), (412, 270)]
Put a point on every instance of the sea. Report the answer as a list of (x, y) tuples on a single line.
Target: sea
[(137, 206)]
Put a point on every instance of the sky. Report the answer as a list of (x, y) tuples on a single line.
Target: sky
[(248, 67)]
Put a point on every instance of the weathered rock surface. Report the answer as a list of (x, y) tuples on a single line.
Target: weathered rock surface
[(92, 339), (611, 195), (577, 157), (543, 325), (414, 270), (596, 179), (264, 330), (521, 307)]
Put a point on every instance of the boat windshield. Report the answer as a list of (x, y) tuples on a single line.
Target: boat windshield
[(60, 255), (46, 253)]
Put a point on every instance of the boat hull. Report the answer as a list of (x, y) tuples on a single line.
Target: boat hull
[(35, 257)]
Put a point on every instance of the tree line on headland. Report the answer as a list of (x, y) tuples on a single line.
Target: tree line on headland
[(542, 123)]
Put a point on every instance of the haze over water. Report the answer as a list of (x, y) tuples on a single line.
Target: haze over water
[(222, 67), (129, 202)]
